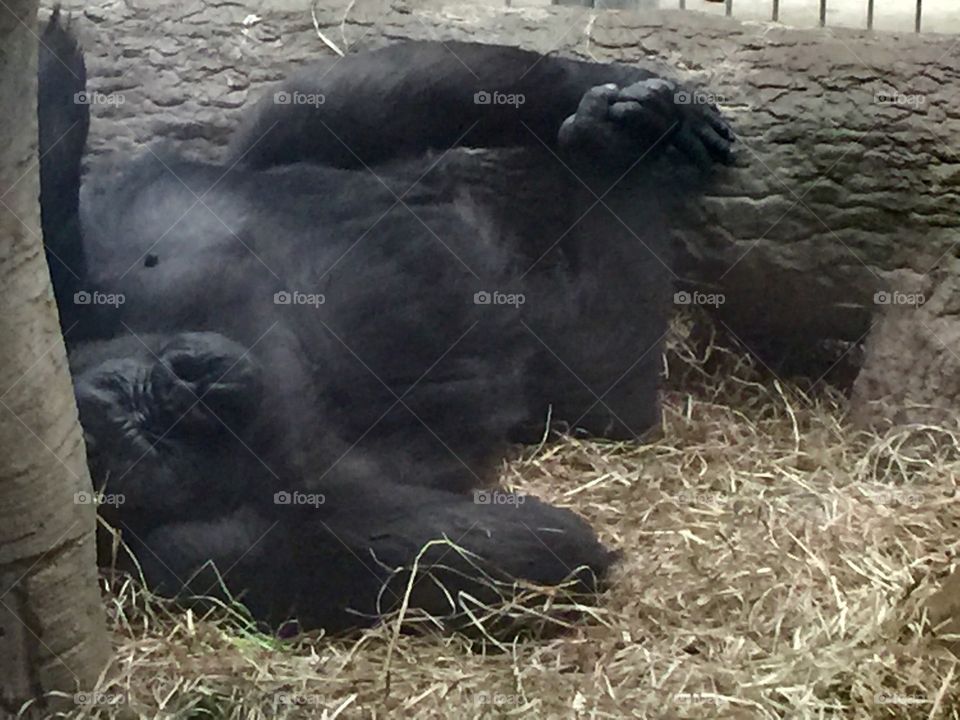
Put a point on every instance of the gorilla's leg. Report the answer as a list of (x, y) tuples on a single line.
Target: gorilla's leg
[(599, 362), (63, 117), (607, 360), (344, 554), (437, 95), (623, 301)]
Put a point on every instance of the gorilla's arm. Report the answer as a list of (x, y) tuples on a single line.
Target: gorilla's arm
[(410, 97)]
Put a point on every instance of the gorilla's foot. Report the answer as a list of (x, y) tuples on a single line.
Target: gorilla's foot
[(451, 556), (618, 126)]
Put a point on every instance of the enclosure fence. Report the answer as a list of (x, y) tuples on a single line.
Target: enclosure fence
[(774, 5), (775, 11)]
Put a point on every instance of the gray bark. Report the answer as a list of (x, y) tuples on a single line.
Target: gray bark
[(52, 634), (838, 191)]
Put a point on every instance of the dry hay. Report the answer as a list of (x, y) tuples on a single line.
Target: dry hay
[(775, 565)]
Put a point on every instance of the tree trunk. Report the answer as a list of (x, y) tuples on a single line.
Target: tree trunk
[(847, 179), (52, 634)]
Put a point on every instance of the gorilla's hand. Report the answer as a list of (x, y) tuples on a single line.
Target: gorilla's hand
[(164, 420), (204, 382), (619, 126)]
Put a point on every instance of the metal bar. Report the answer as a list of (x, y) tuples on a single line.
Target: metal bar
[(919, 14), (823, 12), (730, 7), (683, 4), (869, 14), (776, 10)]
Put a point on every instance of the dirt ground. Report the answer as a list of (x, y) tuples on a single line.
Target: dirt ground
[(776, 565)]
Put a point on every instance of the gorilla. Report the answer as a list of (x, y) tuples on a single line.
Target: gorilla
[(299, 368)]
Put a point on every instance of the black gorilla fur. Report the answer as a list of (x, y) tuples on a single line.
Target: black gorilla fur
[(208, 402)]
